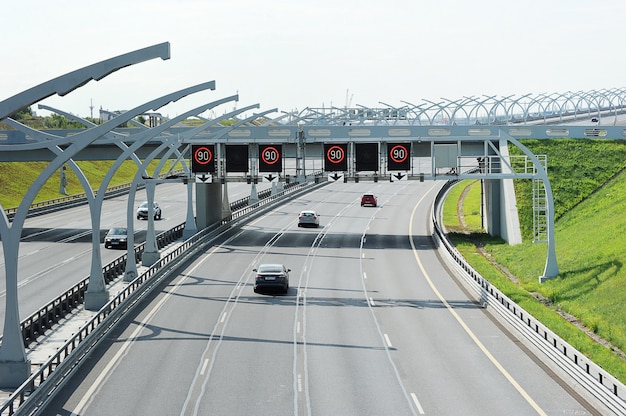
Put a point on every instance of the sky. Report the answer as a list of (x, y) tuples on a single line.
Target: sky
[(289, 54)]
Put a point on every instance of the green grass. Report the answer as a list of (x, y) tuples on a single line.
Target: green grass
[(590, 244), (16, 178)]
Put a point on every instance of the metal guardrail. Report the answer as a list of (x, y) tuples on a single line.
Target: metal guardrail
[(49, 315), (51, 205), (32, 395), (595, 380), (57, 204)]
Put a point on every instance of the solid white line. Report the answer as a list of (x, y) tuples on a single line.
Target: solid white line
[(372, 302), (117, 357), (388, 341), (417, 403), (469, 332), (223, 317), (364, 275)]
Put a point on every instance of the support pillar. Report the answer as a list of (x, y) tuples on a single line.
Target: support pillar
[(151, 252), (208, 204)]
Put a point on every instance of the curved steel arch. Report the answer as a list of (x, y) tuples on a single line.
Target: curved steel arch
[(12, 348), (69, 82)]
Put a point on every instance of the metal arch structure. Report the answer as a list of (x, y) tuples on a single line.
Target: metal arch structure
[(67, 83), (15, 366), (527, 109), (485, 126)]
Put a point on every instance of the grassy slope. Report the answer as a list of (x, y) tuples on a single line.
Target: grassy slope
[(16, 178), (591, 240)]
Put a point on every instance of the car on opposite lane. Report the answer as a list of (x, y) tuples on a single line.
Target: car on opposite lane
[(142, 211), (308, 218), (369, 199), (116, 237), (271, 276)]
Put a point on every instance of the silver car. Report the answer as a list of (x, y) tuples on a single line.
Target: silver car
[(309, 218), (142, 211)]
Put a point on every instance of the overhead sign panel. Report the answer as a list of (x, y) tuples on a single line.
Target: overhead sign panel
[(270, 158), (203, 158), (398, 156), (335, 157), (367, 157), (237, 158)]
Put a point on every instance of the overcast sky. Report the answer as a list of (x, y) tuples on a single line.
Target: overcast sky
[(291, 54)]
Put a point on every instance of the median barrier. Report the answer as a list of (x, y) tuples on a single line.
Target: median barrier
[(31, 397)]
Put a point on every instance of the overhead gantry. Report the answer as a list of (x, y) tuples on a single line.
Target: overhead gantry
[(451, 139)]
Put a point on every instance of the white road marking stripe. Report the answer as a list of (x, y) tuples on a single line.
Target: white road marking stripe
[(204, 366), (417, 403), (467, 329), (388, 341)]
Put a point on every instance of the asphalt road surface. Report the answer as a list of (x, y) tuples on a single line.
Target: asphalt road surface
[(373, 324)]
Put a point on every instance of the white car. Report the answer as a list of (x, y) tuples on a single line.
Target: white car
[(142, 211), (309, 218)]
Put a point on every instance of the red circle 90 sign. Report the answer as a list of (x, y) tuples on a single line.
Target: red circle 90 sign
[(398, 153), (202, 155), (270, 155), (335, 154)]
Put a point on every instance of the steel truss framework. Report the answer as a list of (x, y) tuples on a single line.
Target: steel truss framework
[(476, 128), (554, 108)]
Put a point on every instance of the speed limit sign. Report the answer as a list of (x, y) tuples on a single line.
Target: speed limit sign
[(398, 156), (335, 157), (270, 158), (203, 158)]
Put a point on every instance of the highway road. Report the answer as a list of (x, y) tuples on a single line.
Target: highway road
[(55, 249), (373, 324)]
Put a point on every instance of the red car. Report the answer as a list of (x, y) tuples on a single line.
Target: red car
[(369, 199)]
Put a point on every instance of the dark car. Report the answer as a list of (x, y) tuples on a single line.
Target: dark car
[(369, 199), (116, 237), (271, 277), (142, 211)]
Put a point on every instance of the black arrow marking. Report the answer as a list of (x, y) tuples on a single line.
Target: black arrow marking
[(270, 178), (204, 178), (335, 176), (399, 175)]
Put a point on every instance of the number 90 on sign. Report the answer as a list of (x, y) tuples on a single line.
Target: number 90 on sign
[(398, 156), (203, 159)]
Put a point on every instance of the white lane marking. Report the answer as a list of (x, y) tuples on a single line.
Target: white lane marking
[(120, 353), (298, 327), (223, 317), (469, 332), (204, 366), (388, 341), (417, 403), (372, 301), (364, 275)]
